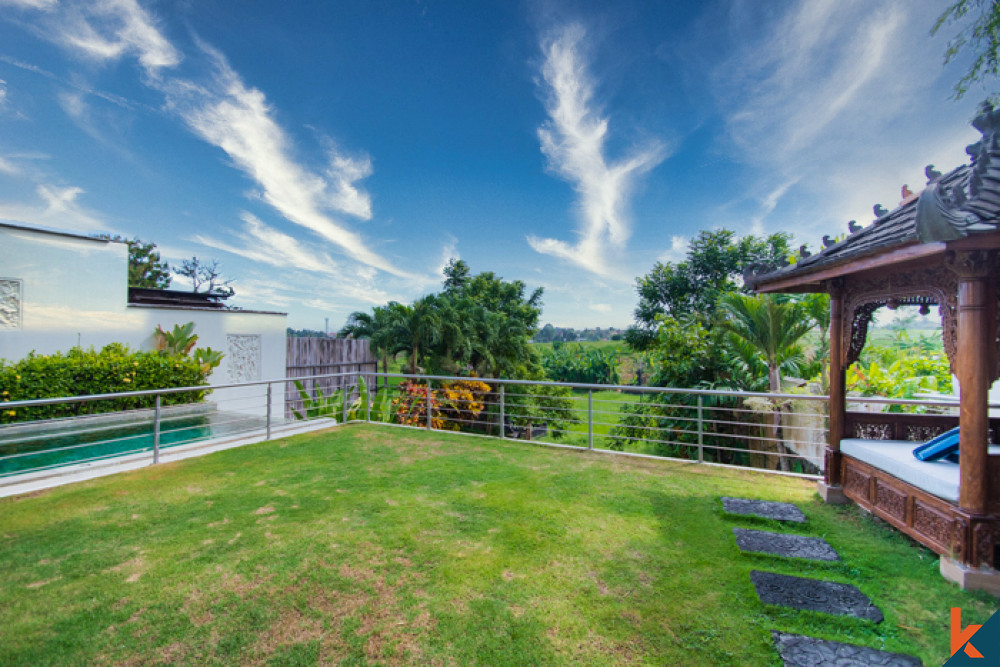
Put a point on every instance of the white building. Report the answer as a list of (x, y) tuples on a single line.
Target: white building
[(59, 290)]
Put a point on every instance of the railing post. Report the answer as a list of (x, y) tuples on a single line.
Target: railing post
[(590, 419), (701, 429), (503, 416), (156, 432), (369, 398), (268, 411), (428, 404), (343, 405)]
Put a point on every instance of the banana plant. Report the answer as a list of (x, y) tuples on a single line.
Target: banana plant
[(319, 405)]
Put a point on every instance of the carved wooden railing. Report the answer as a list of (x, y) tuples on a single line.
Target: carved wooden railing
[(905, 426)]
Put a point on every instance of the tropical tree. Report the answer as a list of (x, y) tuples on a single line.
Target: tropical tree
[(981, 36), (767, 329), (713, 267), (417, 329), (379, 326), (145, 267)]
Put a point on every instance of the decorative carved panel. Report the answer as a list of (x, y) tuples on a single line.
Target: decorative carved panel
[(244, 357), (923, 287), (857, 482), (986, 537), (890, 501), (10, 303), (935, 525), (872, 431)]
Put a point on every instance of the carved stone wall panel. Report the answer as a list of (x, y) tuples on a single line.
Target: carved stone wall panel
[(890, 501), (244, 357), (923, 287), (11, 303)]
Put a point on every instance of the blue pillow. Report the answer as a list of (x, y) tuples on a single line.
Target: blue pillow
[(940, 447)]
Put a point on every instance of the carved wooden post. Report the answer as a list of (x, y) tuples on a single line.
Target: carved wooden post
[(976, 350), (831, 489)]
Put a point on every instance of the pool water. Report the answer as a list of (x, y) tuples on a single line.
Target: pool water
[(34, 450)]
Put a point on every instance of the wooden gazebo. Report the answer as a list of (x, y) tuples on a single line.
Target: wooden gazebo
[(941, 248)]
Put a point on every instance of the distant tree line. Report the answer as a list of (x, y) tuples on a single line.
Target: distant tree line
[(552, 334)]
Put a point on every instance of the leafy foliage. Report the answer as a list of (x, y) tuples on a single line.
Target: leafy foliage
[(982, 37), (575, 363), (714, 265), (115, 368), (901, 369), (145, 268), (454, 406), (180, 341), (206, 277)]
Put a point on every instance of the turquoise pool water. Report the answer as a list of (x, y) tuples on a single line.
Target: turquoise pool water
[(31, 451)]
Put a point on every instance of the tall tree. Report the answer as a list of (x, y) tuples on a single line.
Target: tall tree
[(379, 326), (714, 266), (772, 327), (418, 328), (981, 36), (206, 277), (145, 267)]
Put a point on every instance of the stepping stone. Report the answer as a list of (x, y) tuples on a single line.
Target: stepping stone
[(799, 651), (780, 544), (814, 595), (764, 509)]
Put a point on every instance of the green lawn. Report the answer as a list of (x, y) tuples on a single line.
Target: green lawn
[(378, 545)]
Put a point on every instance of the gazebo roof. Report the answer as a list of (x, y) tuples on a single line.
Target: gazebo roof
[(964, 202)]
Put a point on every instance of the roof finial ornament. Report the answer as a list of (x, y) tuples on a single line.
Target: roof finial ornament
[(854, 227), (931, 173), (906, 192), (828, 242), (880, 211), (804, 252)]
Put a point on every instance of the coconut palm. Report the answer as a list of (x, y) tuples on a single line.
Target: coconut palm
[(773, 327), (417, 329), (379, 327)]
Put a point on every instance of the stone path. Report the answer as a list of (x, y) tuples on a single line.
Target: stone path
[(806, 594), (764, 509), (782, 544), (799, 651), (814, 595)]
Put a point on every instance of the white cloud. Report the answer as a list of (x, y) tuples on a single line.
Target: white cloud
[(111, 29), (820, 97), (237, 119), (600, 307), (58, 208), (3, 92), (448, 252), (30, 4), (225, 112), (261, 243), (677, 252), (573, 140)]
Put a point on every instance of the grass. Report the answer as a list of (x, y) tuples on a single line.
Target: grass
[(376, 545)]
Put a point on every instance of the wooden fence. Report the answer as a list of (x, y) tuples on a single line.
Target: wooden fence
[(319, 356)]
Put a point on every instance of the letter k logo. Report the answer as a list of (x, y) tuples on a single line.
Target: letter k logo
[(960, 636)]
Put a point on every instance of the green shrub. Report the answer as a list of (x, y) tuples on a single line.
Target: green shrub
[(585, 365), (79, 372)]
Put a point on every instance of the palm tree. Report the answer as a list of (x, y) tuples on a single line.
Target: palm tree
[(418, 329), (379, 327), (773, 327)]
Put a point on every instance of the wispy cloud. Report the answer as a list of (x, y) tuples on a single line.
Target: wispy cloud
[(57, 207), (819, 96), (677, 251), (573, 141), (225, 112)]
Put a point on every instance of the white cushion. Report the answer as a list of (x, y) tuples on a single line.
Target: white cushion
[(896, 458)]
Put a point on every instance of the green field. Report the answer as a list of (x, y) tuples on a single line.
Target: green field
[(378, 545)]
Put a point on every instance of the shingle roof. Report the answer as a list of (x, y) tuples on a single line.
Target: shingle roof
[(895, 229)]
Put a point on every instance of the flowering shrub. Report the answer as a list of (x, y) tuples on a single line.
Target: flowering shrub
[(115, 368), (454, 405)]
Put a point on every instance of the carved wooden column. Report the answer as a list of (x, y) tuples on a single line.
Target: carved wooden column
[(830, 489), (976, 350)]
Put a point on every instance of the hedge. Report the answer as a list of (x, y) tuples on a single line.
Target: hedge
[(113, 369)]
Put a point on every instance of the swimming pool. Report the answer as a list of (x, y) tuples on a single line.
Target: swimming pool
[(50, 446)]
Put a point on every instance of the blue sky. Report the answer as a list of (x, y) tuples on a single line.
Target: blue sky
[(333, 156)]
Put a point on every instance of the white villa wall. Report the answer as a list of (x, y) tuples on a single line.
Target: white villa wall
[(61, 290)]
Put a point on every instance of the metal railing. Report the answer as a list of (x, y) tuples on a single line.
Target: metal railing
[(783, 433)]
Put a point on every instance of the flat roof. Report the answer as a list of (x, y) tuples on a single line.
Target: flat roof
[(48, 230)]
